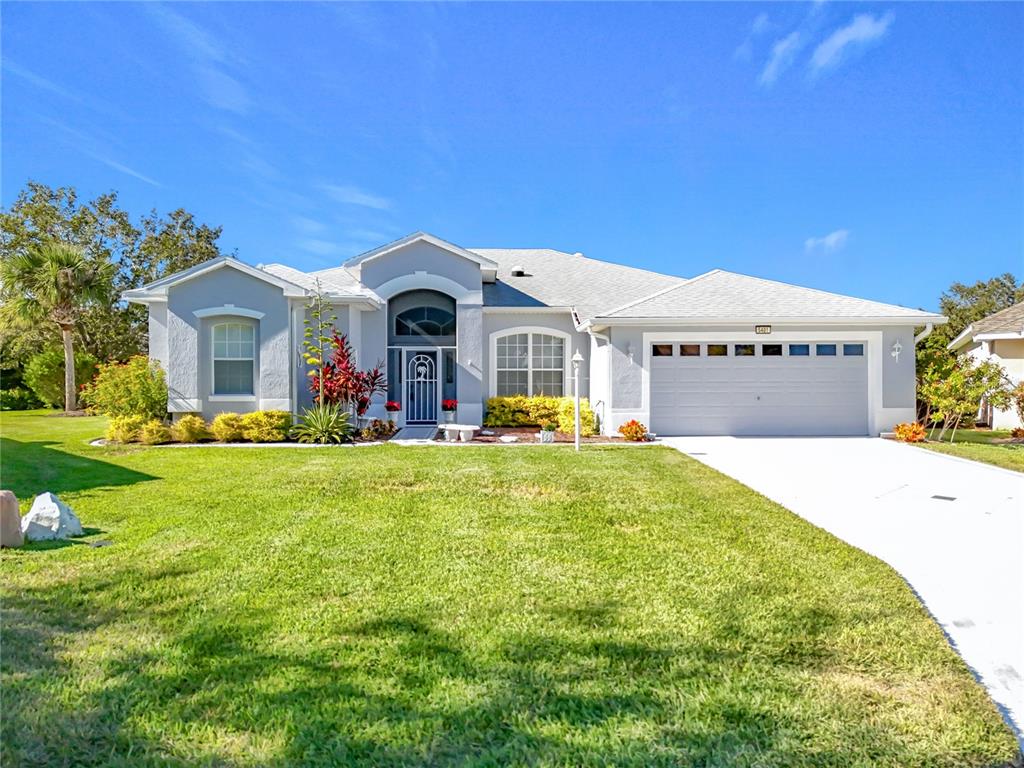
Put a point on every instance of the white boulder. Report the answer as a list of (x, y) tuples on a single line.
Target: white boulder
[(50, 518)]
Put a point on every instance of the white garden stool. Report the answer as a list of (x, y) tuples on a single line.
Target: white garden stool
[(462, 432)]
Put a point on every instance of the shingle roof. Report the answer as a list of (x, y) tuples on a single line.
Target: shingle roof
[(559, 279), (336, 280), (721, 295), (1009, 320)]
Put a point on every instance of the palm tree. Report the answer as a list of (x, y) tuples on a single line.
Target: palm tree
[(54, 282)]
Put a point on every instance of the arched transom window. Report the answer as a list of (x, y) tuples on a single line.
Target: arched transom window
[(234, 358), (425, 321), (529, 364)]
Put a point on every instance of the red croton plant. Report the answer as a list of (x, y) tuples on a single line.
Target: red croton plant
[(344, 383)]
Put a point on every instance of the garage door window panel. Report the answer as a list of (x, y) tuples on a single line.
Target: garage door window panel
[(825, 350), (853, 350), (744, 350), (718, 350)]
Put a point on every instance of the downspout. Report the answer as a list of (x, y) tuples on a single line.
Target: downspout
[(924, 334)]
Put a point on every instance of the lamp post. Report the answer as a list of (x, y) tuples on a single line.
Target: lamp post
[(577, 358)]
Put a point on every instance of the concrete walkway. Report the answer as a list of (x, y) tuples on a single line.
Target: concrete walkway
[(953, 528)]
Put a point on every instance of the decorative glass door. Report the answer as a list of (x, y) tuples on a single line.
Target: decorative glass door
[(420, 386)]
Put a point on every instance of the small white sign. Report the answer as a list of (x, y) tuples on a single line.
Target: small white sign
[(762, 329)]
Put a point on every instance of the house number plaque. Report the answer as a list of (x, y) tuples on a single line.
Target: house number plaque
[(762, 329)]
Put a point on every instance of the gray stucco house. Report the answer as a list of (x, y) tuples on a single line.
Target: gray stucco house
[(720, 353)]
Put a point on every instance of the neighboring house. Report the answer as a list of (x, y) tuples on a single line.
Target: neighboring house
[(719, 353), (998, 338)]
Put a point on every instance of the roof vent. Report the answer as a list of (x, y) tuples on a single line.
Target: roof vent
[(519, 271), (579, 253)]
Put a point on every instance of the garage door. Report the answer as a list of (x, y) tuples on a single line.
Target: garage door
[(743, 388)]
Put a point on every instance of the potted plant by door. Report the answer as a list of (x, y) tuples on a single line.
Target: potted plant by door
[(449, 406), (392, 407), (547, 432)]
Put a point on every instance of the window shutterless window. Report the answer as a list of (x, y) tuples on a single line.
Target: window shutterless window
[(744, 350), (530, 364), (771, 350), (234, 358), (853, 350), (689, 350), (825, 350), (661, 350), (718, 350), (799, 350)]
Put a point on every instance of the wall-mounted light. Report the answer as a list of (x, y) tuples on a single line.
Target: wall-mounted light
[(896, 349), (629, 351)]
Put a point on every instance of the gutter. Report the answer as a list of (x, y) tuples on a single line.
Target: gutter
[(924, 334)]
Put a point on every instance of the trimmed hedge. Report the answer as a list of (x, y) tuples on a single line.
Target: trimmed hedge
[(523, 411), (124, 429), (266, 426)]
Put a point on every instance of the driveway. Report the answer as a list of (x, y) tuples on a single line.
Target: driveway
[(953, 528)]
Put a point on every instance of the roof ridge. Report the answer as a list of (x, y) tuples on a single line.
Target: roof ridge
[(816, 290), (684, 281)]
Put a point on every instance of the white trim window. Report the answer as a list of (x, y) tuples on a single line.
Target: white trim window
[(234, 359), (529, 363)]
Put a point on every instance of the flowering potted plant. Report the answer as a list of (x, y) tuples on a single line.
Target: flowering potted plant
[(392, 406), (448, 406), (547, 432)]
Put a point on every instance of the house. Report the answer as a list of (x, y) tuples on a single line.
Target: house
[(998, 338), (720, 353)]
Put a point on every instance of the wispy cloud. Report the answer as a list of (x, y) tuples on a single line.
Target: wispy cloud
[(784, 51), (833, 241), (320, 247), (862, 29), (350, 195), (96, 149), (306, 225), (209, 58), (745, 49), (39, 81)]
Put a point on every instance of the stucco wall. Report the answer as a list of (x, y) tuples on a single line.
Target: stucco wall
[(158, 334), (189, 341), (1009, 353), (893, 399), (421, 257)]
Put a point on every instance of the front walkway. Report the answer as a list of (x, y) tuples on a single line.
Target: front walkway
[(953, 528)]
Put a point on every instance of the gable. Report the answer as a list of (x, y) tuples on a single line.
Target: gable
[(419, 256)]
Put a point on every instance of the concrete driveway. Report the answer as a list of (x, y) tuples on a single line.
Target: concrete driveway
[(953, 528)]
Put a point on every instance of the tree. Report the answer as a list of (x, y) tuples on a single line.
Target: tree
[(319, 322), (956, 390), (54, 282), (105, 233)]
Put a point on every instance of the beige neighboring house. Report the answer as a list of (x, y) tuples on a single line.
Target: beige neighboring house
[(998, 338)]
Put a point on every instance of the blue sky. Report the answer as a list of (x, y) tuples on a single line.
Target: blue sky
[(870, 149)]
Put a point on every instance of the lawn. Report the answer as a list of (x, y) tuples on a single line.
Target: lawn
[(455, 606), (979, 445)]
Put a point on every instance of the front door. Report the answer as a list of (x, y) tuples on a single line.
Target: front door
[(420, 386)]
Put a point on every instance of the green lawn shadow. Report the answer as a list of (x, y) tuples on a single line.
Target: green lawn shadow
[(30, 468)]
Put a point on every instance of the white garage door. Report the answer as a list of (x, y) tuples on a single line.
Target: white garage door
[(771, 388)]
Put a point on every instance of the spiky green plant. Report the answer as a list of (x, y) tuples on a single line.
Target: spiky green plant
[(324, 423)]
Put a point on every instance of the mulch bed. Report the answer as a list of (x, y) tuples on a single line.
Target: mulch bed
[(529, 435)]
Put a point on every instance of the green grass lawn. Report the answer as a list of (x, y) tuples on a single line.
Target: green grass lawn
[(455, 606), (977, 444)]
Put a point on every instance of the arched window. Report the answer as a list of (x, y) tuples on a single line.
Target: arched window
[(529, 363), (234, 358), (421, 317), (425, 321)]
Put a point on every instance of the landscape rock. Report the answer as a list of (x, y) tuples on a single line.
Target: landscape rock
[(50, 518), (509, 439), (10, 521)]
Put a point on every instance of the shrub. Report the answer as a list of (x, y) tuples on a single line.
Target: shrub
[(266, 426), (227, 427), (378, 429), (325, 423), (567, 417), (190, 428), (633, 431), (154, 432), (135, 388), (44, 373), (18, 399), (522, 411), (1017, 432), (909, 432), (125, 429)]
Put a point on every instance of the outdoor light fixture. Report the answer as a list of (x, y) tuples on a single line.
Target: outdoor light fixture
[(577, 358), (896, 349)]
